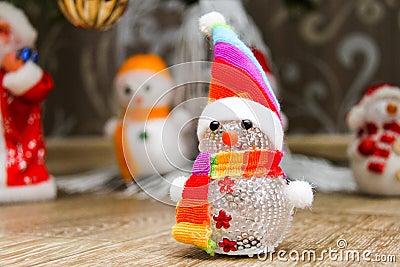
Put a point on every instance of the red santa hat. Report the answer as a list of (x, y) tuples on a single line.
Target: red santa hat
[(356, 116), (21, 28), (239, 87)]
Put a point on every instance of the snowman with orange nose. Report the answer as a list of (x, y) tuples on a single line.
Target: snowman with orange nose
[(148, 138), (375, 151), (237, 200)]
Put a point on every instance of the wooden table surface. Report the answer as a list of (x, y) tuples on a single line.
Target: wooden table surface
[(116, 230)]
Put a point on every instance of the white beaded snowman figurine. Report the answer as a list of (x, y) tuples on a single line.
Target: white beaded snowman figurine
[(375, 150), (237, 200)]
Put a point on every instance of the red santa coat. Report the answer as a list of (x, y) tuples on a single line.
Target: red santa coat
[(21, 130)]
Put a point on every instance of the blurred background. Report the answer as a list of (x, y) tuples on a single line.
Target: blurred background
[(323, 54)]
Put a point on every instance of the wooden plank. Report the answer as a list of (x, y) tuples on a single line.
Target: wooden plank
[(310, 231), (78, 154), (329, 146), (115, 230), (98, 217), (19, 250)]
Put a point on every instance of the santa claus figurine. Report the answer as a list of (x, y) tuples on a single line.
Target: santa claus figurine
[(23, 86), (375, 151)]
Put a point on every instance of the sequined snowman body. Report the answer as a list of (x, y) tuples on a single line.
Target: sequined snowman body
[(249, 215), (254, 218)]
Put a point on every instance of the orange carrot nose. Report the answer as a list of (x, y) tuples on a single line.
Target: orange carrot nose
[(392, 108), (230, 138), (138, 100)]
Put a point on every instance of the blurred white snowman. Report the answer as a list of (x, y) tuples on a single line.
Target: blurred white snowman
[(148, 138), (375, 151)]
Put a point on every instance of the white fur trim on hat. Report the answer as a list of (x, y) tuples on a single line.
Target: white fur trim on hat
[(19, 23), (356, 116), (207, 22), (36, 192), (235, 108), (20, 81)]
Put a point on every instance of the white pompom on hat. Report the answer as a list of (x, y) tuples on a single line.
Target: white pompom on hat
[(21, 28), (356, 116), (207, 22)]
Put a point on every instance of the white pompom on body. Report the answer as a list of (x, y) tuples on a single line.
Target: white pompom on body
[(207, 21), (176, 188), (111, 126), (300, 194)]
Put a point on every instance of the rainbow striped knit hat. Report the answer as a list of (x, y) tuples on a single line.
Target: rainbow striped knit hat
[(239, 87)]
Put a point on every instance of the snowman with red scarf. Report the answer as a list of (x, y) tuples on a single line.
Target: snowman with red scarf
[(375, 151), (23, 86)]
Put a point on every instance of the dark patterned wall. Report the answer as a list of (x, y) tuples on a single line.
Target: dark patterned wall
[(324, 59)]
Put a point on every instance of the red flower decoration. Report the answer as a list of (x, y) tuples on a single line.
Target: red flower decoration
[(222, 220), (227, 245), (226, 185)]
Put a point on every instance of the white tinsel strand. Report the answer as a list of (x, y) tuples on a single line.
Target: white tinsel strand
[(322, 174)]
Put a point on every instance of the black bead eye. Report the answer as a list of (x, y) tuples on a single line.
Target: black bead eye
[(147, 88), (214, 125), (246, 124), (127, 90)]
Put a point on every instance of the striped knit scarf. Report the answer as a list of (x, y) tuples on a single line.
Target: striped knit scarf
[(193, 211)]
